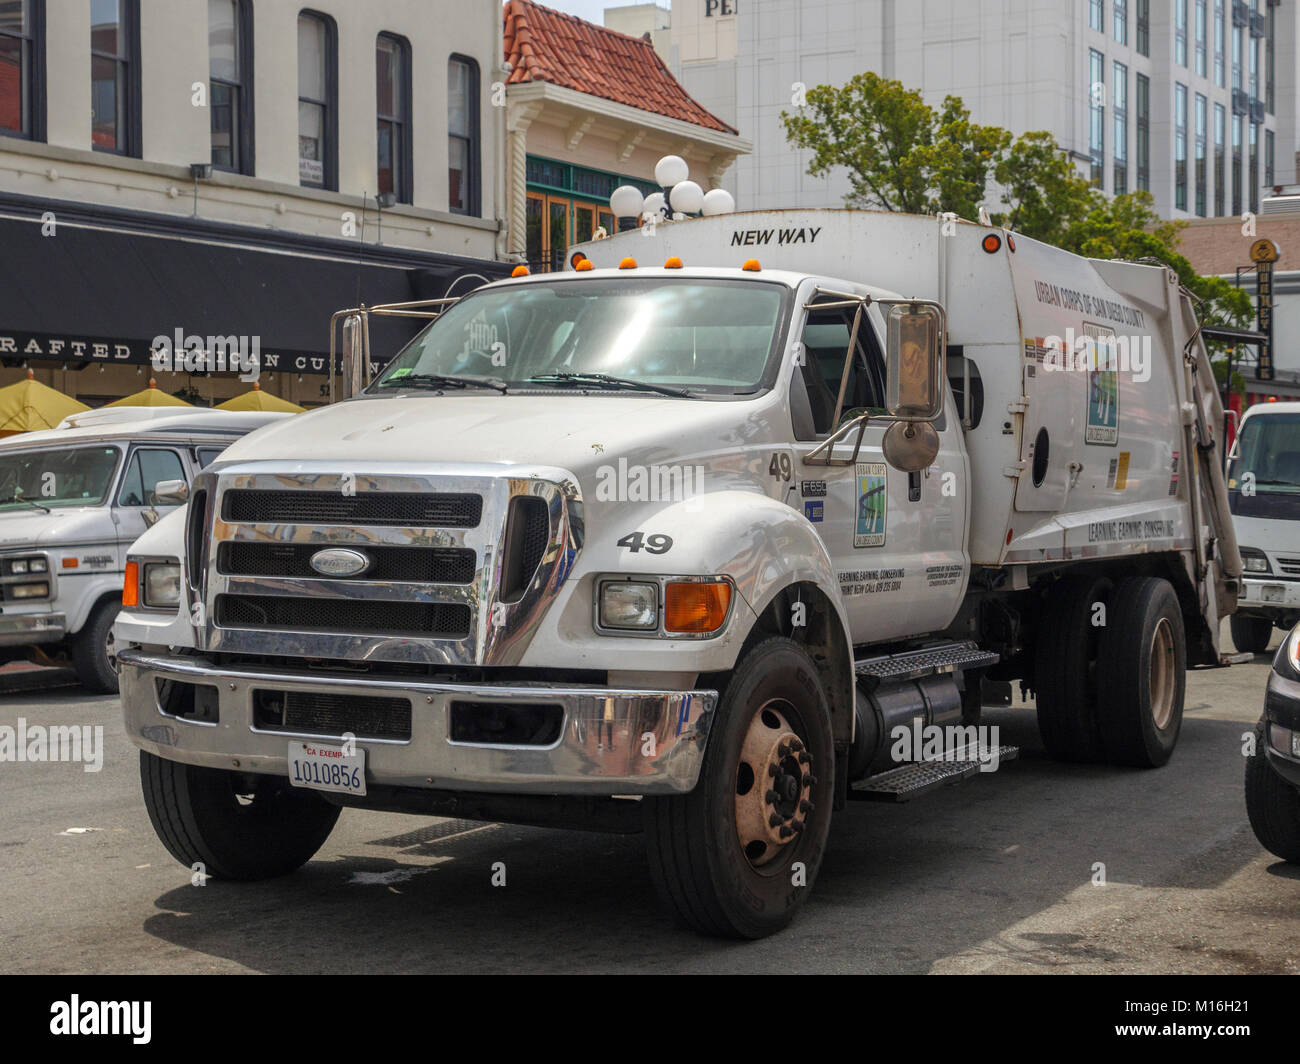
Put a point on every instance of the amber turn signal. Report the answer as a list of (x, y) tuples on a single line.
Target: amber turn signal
[(696, 608), (131, 585), (519, 271)]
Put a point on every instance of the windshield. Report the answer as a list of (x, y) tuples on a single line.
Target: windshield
[(699, 337), (69, 476), (1264, 478)]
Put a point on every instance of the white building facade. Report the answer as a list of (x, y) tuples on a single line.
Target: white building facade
[(1194, 100), (270, 133)]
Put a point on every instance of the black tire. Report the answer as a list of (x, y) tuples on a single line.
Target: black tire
[(1250, 634), (692, 840), (1065, 658), (1144, 673), (198, 816), (92, 659), (1273, 805)]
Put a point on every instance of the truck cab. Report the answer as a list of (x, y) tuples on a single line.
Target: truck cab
[(72, 500), (1264, 493)]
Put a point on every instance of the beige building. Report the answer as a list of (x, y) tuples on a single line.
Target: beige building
[(237, 168), (590, 109)]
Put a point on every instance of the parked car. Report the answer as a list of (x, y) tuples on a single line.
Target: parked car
[(1273, 770), (72, 500)]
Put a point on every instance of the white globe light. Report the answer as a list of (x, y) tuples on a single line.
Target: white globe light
[(718, 201), (654, 204), (625, 201), (671, 170), (687, 197)]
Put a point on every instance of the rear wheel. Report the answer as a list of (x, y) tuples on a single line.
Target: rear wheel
[(1065, 668), (1273, 805), (1143, 675), (738, 855), (1250, 634), (236, 825), (94, 649)]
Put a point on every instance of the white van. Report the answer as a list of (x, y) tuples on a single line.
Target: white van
[(1264, 495), (72, 500)]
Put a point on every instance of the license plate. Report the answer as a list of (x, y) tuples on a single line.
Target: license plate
[(327, 768), (1271, 593)]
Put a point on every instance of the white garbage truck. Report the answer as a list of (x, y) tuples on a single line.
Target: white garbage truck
[(691, 539)]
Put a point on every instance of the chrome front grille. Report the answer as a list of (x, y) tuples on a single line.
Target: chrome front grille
[(461, 563), (1290, 566)]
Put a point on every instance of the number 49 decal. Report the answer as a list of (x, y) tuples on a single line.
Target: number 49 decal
[(654, 544)]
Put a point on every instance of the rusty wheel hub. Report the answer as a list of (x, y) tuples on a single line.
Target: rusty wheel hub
[(774, 782)]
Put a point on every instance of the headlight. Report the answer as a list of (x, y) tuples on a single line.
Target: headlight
[(1284, 740), (37, 565), (162, 585), (624, 604), (28, 590), (1254, 560), (19, 567)]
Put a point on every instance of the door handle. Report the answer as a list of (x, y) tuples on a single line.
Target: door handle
[(913, 487)]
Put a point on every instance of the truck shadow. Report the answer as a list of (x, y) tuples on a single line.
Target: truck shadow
[(908, 885)]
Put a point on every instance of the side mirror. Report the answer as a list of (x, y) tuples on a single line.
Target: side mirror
[(170, 492), (356, 354), (914, 362)]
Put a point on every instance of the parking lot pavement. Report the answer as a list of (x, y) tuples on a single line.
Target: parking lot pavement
[(1040, 867)]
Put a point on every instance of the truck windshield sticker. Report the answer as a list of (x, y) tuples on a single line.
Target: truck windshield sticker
[(1103, 388), (873, 497)]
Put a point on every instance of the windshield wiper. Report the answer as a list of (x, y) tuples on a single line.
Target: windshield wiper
[(443, 380), (25, 502), (605, 380)]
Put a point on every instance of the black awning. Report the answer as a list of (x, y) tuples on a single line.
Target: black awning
[(102, 294)]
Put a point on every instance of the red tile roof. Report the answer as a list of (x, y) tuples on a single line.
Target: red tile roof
[(546, 45)]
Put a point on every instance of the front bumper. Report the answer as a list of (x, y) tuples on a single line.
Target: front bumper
[(1263, 596), (28, 629), (612, 741)]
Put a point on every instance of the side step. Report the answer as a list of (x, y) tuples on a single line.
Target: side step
[(928, 661), (919, 778)]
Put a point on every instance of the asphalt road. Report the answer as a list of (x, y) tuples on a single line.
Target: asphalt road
[(996, 875)]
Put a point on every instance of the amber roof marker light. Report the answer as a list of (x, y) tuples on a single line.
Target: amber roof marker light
[(991, 243)]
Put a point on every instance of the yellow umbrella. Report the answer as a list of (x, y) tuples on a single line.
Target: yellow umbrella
[(151, 396), (260, 400), (30, 405)]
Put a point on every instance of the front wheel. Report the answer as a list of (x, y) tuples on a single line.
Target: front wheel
[(1250, 634), (1273, 805), (94, 649), (233, 825), (738, 855)]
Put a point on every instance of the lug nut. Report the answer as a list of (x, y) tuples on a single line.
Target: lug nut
[(796, 745), (797, 826), (806, 807), (786, 832), (804, 759), (772, 770), (810, 780), (783, 750), (774, 820), (771, 797)]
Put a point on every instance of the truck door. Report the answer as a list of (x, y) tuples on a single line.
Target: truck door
[(897, 540), (145, 467)]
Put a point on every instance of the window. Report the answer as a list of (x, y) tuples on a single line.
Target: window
[(1142, 144), (393, 93), (1236, 164), (1200, 131), (317, 101), (22, 62), (1271, 29), (1121, 129), (1097, 126), (1236, 57), (1268, 158), (1121, 21), (1180, 146), (1180, 32), (1254, 167), (463, 136), (230, 89), (1220, 160), (147, 468), (1200, 38), (1253, 52), (1143, 31), (1097, 15), (1220, 14), (115, 76), (826, 338)]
